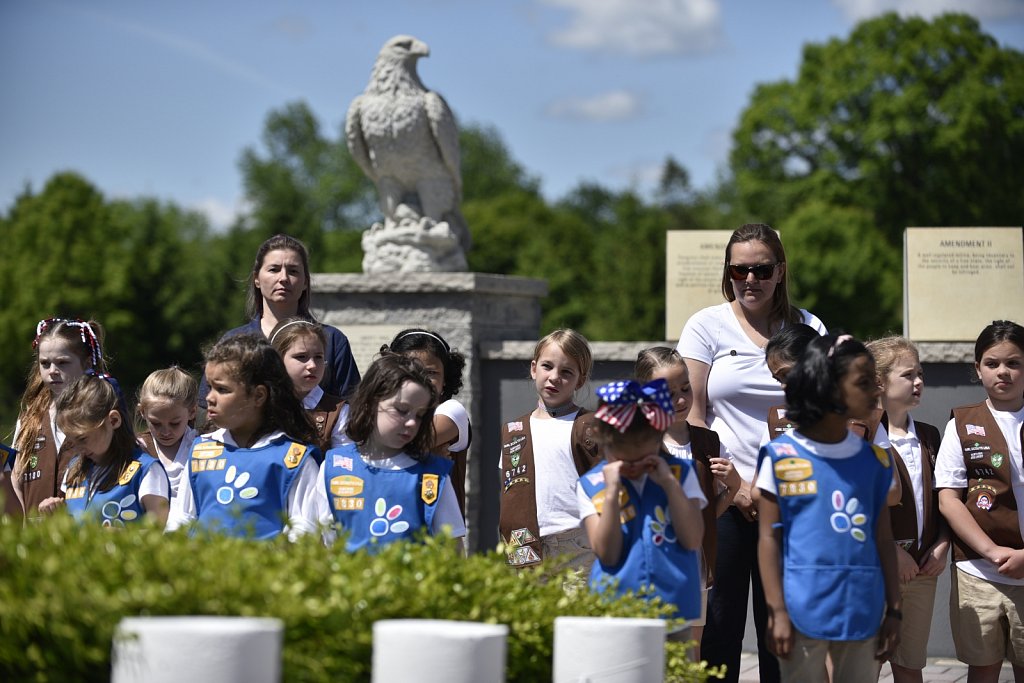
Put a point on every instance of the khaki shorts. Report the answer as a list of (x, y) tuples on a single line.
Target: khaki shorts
[(918, 601), (853, 661), (569, 550), (986, 620)]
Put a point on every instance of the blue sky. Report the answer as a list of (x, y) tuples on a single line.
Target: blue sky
[(160, 98)]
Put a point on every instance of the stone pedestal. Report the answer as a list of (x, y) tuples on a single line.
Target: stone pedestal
[(467, 309)]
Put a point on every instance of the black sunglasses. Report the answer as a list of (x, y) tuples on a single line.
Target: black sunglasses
[(761, 271)]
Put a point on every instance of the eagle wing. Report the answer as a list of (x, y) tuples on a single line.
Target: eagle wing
[(446, 136), (356, 141)]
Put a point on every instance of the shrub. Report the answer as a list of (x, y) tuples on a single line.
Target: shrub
[(65, 587)]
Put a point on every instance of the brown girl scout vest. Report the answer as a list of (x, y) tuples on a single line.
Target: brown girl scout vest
[(325, 416), (518, 517), (704, 445), (989, 493), (42, 473), (903, 516), (779, 424)]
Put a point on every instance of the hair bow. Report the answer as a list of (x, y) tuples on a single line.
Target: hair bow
[(122, 404), (840, 340), (88, 336), (622, 398)]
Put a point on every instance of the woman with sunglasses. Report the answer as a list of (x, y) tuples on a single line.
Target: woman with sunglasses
[(723, 346)]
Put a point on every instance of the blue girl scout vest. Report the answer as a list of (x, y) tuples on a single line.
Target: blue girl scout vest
[(377, 506), (651, 555), (244, 491), (118, 505), (832, 576)]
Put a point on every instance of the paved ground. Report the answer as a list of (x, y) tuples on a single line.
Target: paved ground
[(938, 670)]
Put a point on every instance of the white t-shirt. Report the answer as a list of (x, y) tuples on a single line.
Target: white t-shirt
[(302, 517), (847, 448), (447, 513), (691, 489), (338, 435), (951, 473), (909, 449), (556, 476), (153, 484), (456, 412), (176, 468), (740, 389)]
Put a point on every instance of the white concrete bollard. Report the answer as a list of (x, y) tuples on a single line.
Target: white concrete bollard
[(197, 650), (438, 651), (609, 650)]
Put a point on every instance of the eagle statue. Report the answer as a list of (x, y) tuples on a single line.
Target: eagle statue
[(404, 138)]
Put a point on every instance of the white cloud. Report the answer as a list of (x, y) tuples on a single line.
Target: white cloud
[(616, 105), (856, 10), (640, 28), (220, 213)]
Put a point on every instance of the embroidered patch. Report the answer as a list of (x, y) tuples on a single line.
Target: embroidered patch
[(208, 465), (509, 483), (346, 486), (428, 489), (677, 471), (349, 503), (846, 517), (207, 449), (976, 430), (294, 455), (882, 455), (793, 469), (33, 461), (595, 478), (997, 460), (984, 502), (343, 461), (661, 527), (523, 556), (75, 492), (515, 459), (783, 449), (515, 426), (129, 472), (387, 520), (520, 537), (798, 488), (907, 544), (782, 413)]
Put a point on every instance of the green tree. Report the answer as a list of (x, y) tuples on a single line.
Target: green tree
[(911, 121)]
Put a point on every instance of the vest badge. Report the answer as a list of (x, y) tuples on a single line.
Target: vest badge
[(207, 449), (523, 556), (521, 537), (984, 502), (33, 461), (346, 486), (515, 426), (793, 469), (129, 472), (997, 460), (294, 455), (428, 489), (975, 430), (882, 455)]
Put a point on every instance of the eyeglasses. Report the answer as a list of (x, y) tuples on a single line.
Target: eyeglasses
[(762, 271)]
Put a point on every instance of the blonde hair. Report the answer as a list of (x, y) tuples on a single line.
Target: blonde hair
[(170, 384), (651, 360), (572, 344), (887, 350)]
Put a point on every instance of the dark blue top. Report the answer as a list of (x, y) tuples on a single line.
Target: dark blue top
[(340, 377)]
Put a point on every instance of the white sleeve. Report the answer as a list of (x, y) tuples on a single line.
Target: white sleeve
[(587, 508), (183, 506), (322, 509), (692, 490), (338, 435), (765, 477), (950, 470), (882, 437), (302, 514), (448, 512), (766, 436), (698, 339), (812, 320), (456, 412), (155, 483), (64, 482)]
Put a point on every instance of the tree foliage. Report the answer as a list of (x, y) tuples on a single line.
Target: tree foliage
[(916, 123)]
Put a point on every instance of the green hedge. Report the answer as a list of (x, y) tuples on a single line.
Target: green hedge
[(64, 587)]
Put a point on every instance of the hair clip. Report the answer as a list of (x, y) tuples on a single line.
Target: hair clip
[(622, 398)]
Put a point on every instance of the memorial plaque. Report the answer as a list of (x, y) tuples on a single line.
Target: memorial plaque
[(366, 340), (693, 274), (958, 280)]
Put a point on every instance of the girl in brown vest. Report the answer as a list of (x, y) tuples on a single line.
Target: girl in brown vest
[(921, 538), (65, 349), (543, 455), (167, 404), (302, 345), (981, 494), (718, 479)]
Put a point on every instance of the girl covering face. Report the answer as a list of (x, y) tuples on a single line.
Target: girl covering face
[(385, 486)]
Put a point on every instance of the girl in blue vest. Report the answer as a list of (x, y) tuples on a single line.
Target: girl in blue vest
[(980, 477), (254, 474), (826, 553), (110, 479), (641, 508), (386, 486)]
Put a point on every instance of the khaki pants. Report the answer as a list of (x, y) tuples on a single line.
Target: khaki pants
[(853, 661)]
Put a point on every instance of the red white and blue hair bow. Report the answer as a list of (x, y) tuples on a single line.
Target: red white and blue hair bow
[(88, 336), (620, 401)]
